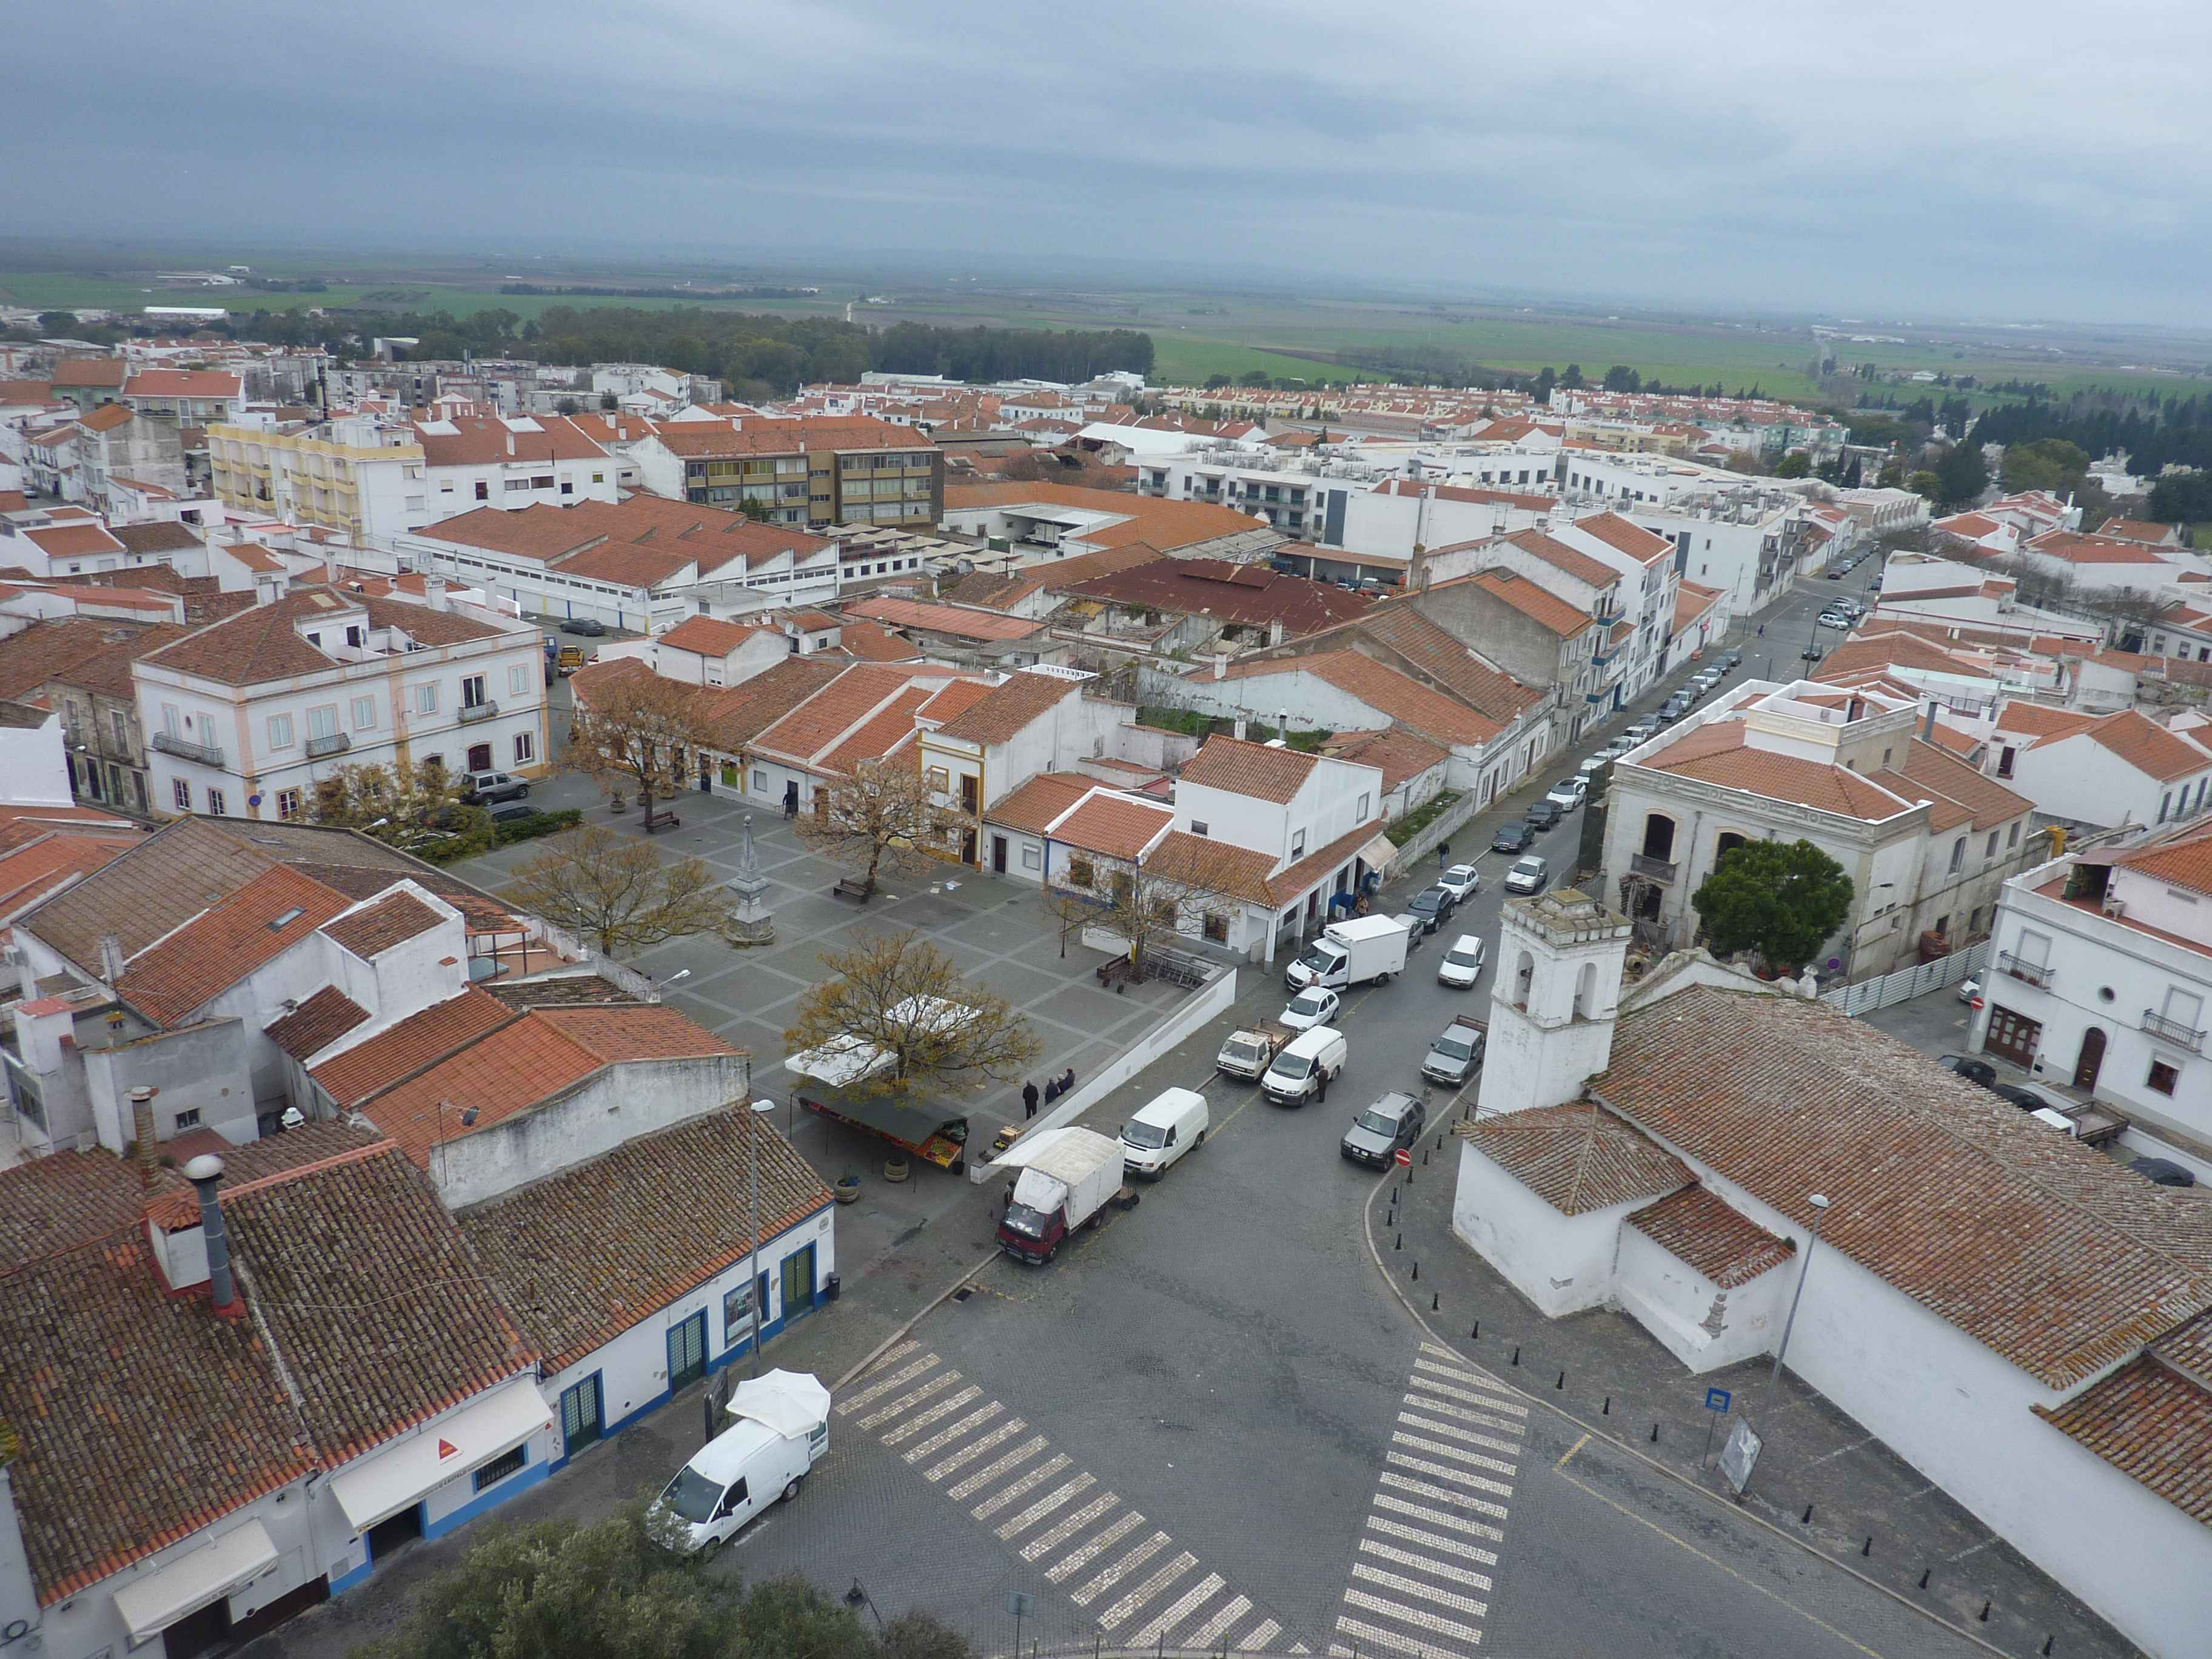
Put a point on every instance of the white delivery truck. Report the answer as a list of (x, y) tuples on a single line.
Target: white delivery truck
[(1067, 1178), (1350, 953), (782, 1430)]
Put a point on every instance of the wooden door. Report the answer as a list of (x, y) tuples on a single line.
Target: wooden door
[(2092, 1058), (2011, 1036)]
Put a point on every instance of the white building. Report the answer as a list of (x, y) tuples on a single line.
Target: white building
[(248, 713), (2102, 771)]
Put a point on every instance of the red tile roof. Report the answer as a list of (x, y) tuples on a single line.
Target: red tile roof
[(376, 928), (362, 1070), (489, 439), (1036, 803), (1545, 609), (1005, 709), (1113, 826), (1249, 768), (2153, 1423), (959, 622), (1573, 562), (1700, 1229), (247, 929), (707, 636), (1399, 753), (183, 383), (1250, 595), (1715, 753), (1644, 546), (1577, 1157), (316, 1023), (2149, 747), (2180, 859)]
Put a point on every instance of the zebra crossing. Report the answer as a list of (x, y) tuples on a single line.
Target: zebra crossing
[(1421, 1576), (1142, 1589)]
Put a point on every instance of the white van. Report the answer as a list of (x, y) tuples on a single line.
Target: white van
[(1307, 1064), (1163, 1131), (782, 1430)]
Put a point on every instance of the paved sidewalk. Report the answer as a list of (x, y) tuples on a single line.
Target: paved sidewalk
[(1821, 1478)]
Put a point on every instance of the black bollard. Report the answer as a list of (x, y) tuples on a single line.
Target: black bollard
[(1400, 1244), (1562, 1382), (1416, 1272), (1393, 1195), (1475, 1335), (1867, 1548), (1517, 1353), (1607, 1412), (1924, 1571), (1436, 1301), (1985, 1612), (1806, 1519), (2047, 1645), (1655, 1434)]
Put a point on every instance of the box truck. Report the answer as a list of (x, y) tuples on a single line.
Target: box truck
[(1350, 953), (1067, 1178)]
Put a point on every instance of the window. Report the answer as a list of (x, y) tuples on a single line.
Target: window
[(484, 490), (514, 484), (1298, 843), (2165, 1076), (543, 481), (2164, 805), (2013, 840), (426, 703), (759, 778), (1217, 928), (1198, 826), (599, 477), (526, 748), (280, 731), (473, 691), (1362, 816), (364, 713), (1031, 858), (1990, 851), (181, 792), (121, 724), (518, 681), (1080, 873), (736, 1314), (500, 1467), (940, 779), (216, 808), (1957, 854), (568, 489), (189, 1118), (288, 802)]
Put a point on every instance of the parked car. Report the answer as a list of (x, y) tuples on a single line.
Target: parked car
[(1460, 880), (1434, 905), (513, 811), (1512, 838), (1566, 794), (584, 626), (1729, 660), (1973, 1070), (1673, 708), (2165, 1171), (1462, 964), (1643, 731), (1452, 1057), (482, 788), (2026, 1099), (1377, 1133), (1306, 1066), (781, 1433), (1543, 814), (1835, 619), (1312, 1006), (1810, 653), (1163, 1130), (1970, 990), (1530, 875)]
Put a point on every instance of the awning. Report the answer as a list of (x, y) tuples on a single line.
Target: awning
[(1379, 854), (151, 1604), (897, 1118), (388, 1481)]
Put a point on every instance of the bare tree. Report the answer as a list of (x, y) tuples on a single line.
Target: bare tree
[(903, 998), (617, 892), (1150, 902), (882, 816), (636, 730)]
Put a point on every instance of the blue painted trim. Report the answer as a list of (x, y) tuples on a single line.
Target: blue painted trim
[(347, 1581), (520, 1481)]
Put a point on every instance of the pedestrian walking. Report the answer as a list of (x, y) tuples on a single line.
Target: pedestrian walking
[(1028, 1100), (1762, 630)]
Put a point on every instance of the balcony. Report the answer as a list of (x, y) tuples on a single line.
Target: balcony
[(2034, 973), (472, 712), (185, 749), (1643, 864), (2173, 1031), (337, 743)]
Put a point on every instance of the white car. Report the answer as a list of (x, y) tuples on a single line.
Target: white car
[(1462, 964), (1530, 875), (1835, 619), (1310, 1007), (1460, 880), (1970, 990), (1567, 794)]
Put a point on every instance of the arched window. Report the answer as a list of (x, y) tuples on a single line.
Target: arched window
[(1658, 836), (1725, 843), (1524, 976), (1586, 991)]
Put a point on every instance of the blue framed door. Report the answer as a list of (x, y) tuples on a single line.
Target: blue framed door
[(687, 1351), (798, 1283)]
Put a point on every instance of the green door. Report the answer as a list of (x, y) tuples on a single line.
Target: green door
[(687, 1351), (798, 1283)]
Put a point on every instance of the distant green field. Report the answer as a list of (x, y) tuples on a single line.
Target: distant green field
[(1190, 360)]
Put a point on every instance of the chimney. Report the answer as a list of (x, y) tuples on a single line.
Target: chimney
[(433, 592), (142, 1132), (1928, 726), (205, 1173), (1275, 631), (510, 445), (1237, 731), (110, 959), (1220, 664)]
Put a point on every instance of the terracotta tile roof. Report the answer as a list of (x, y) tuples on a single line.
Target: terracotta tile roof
[(2135, 530), (1291, 881), (1063, 574), (70, 541), (1162, 526), (1399, 754), (1569, 561), (1113, 826), (1005, 709), (38, 393), (1390, 692), (1473, 494), (2035, 720), (738, 714), (1249, 768), (804, 731), (959, 622), (367, 1067), (1987, 801), (873, 642), (700, 440), (2035, 1245), (1038, 802), (1577, 1157), (245, 930), (2076, 549), (183, 383), (95, 652), (2151, 1423), (376, 928), (174, 1204), (707, 636), (949, 703), (2148, 747), (398, 1325), (1691, 601), (265, 642), (100, 374), (1715, 753), (37, 859), (1250, 595), (316, 1023), (1207, 866), (880, 734), (585, 1255), (1699, 1228), (108, 1470), (488, 440), (613, 1035), (56, 1203), (107, 418), (1644, 546), (161, 537), (989, 591), (2182, 858), (1546, 609)]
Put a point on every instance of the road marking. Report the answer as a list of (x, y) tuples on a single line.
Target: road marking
[(1121, 1569), (1436, 1448), (1045, 1543), (1446, 1472), (1571, 1451), (1484, 1400), (1076, 1560), (1406, 1558), (1007, 1497), (1185, 1605), (1377, 1638), (906, 1402), (1432, 1541), (974, 1448), (1217, 1626), (852, 1403), (892, 1355), (1434, 1517), (941, 1410), (1045, 1506), (1405, 1586), (1256, 1638), (1433, 1623), (1644, 1520), (1420, 1402), (945, 1437), (1502, 1402), (1467, 1436), (983, 1477)]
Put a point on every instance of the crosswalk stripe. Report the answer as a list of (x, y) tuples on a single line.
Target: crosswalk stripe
[(1046, 1505), (1422, 1563), (937, 1413), (1435, 1623), (852, 1403), (1255, 1639), (1084, 1554), (974, 1449), (1431, 1540), (1187, 1603), (1376, 1637), (1435, 1518), (1465, 1437), (1006, 1497), (1160, 1579), (1045, 1543), (907, 1402), (1121, 1569), (1414, 1587), (1469, 1388), (1463, 1414), (1216, 1628), (1300, 1647), (1462, 1372), (984, 1476), (893, 1355), (945, 1437), (1457, 1453), (1446, 1472)]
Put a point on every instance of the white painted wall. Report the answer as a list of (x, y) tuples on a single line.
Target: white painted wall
[(1702, 1325), (1563, 1264)]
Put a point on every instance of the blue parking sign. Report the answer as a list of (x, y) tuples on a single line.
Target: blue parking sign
[(1716, 1399)]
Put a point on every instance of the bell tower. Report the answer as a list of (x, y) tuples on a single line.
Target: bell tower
[(1554, 995)]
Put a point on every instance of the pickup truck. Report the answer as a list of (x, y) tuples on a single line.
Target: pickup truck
[(1068, 1176), (1247, 1052), (1454, 1056)]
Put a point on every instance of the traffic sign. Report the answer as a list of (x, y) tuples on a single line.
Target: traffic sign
[(1403, 1158), (1716, 1399)]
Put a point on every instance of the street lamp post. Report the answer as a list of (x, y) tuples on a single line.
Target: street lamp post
[(760, 1109), (1819, 1203)]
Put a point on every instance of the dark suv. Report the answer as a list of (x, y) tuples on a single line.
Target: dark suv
[(1545, 813), (1377, 1133), (1512, 838), (1434, 906)]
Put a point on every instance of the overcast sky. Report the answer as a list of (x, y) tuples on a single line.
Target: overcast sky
[(1951, 156)]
